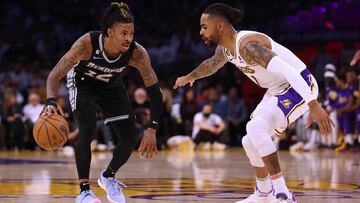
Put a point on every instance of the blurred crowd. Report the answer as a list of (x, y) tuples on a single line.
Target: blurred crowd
[(214, 112)]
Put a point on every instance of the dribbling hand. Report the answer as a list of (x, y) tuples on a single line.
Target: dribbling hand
[(51, 108), (319, 115), (182, 81), (148, 144)]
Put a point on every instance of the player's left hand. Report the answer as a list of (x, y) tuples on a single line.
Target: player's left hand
[(319, 115), (148, 144)]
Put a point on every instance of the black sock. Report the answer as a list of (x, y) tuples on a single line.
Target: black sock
[(84, 186), (109, 173)]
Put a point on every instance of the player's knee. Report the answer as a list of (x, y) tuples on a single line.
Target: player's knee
[(252, 153), (257, 132)]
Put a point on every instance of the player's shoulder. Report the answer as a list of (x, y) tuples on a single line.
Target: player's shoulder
[(139, 51), (245, 37)]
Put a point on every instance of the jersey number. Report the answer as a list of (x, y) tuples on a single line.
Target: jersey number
[(101, 77)]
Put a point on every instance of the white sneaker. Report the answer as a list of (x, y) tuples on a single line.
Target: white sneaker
[(259, 197), (283, 198), (113, 188), (87, 196)]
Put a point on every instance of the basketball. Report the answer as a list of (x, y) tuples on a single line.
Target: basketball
[(52, 132)]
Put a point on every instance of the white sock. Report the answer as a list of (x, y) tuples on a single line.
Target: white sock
[(264, 184), (280, 186)]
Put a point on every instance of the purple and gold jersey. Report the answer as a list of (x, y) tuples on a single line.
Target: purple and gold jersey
[(339, 98)]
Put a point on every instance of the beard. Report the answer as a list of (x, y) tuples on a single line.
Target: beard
[(211, 42)]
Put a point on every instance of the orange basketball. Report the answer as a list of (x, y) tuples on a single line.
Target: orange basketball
[(51, 132)]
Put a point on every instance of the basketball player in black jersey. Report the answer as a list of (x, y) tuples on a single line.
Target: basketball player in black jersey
[(93, 66)]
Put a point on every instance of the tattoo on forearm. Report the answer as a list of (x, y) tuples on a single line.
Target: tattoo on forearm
[(148, 75), (256, 53), (209, 66), (69, 60)]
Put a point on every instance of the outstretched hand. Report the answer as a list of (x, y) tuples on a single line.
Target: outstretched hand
[(182, 81), (319, 115)]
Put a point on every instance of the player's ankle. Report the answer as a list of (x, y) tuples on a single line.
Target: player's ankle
[(84, 186), (264, 184)]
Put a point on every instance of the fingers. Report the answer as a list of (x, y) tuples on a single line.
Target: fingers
[(329, 125), (48, 110), (141, 147), (353, 62), (60, 111), (325, 125)]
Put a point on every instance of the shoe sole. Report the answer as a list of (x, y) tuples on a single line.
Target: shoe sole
[(107, 196)]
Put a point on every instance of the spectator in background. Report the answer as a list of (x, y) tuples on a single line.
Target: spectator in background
[(213, 98), (344, 114), (140, 99), (31, 113), (236, 115), (208, 128), (14, 127), (188, 109)]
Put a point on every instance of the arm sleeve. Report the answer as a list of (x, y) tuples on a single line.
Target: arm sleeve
[(279, 66), (156, 105)]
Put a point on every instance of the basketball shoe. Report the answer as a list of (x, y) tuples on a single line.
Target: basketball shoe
[(259, 197), (283, 198), (87, 196), (113, 188)]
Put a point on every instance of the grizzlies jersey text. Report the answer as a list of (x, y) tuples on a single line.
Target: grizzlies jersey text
[(99, 70)]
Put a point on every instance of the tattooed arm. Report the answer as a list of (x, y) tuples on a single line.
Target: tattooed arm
[(206, 68), (256, 49), (80, 50), (141, 60), (209, 66)]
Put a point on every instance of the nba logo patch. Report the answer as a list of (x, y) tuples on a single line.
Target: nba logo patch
[(286, 103), (228, 54)]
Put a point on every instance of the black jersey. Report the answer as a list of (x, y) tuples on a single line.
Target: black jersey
[(100, 71)]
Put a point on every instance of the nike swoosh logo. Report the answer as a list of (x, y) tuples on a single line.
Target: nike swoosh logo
[(154, 122)]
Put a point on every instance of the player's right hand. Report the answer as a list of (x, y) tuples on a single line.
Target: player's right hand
[(51, 107), (182, 81), (319, 115), (355, 59)]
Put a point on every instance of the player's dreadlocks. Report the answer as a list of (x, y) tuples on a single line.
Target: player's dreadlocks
[(116, 13), (232, 15)]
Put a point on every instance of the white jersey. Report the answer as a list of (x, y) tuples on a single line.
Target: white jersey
[(275, 83)]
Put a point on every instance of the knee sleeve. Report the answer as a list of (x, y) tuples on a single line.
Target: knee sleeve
[(252, 153), (258, 132)]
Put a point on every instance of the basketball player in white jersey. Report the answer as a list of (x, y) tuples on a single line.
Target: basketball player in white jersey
[(291, 91)]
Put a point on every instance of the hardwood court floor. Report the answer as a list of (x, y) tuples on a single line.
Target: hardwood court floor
[(174, 177)]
